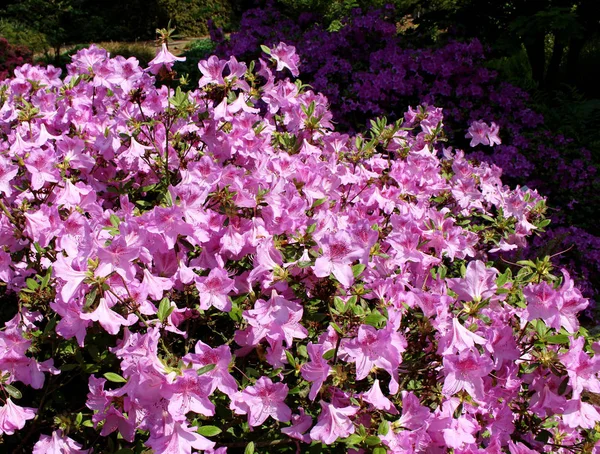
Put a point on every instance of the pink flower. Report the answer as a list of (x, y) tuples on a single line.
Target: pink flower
[(580, 414), (163, 58), (333, 423), (221, 357), (262, 400), (13, 417), (414, 415), (286, 57), (300, 424), (178, 438), (466, 371), (581, 368), (214, 290), (381, 348), (542, 303), (376, 398), (480, 133), (58, 443), (212, 71), (316, 370), (459, 339), (479, 283), (338, 254)]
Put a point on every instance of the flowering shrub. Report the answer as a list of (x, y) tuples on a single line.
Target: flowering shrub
[(220, 269), (366, 70), (11, 57)]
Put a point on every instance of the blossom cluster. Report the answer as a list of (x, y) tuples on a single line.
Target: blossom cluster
[(366, 69), (218, 268)]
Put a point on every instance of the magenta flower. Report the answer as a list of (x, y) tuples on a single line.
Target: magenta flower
[(466, 371), (286, 57), (479, 283), (582, 369), (338, 254), (58, 443), (163, 58), (178, 438), (262, 400), (212, 71), (13, 417), (214, 290), (480, 133), (372, 347), (316, 370), (333, 423)]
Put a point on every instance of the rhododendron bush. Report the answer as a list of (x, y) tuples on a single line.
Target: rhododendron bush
[(219, 270)]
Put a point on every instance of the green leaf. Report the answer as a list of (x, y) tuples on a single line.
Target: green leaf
[(46, 278), (358, 269), (318, 202), (267, 51), (250, 446), (290, 358), (164, 309), (384, 428), (90, 299), (503, 278), (379, 450), (558, 339), (353, 440), (372, 440), (115, 378), (375, 318), (329, 354), (311, 228), (339, 304), (79, 418), (205, 369), (337, 328), (32, 284), (209, 431), (87, 423), (14, 392), (115, 221)]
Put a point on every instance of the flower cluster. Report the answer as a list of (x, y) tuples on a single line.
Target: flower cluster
[(366, 69), (219, 268)]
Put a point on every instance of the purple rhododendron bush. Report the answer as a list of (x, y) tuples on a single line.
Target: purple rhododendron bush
[(221, 271)]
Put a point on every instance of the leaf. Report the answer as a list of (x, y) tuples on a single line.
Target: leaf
[(353, 439), (32, 284), (375, 318), (79, 418), (14, 392), (311, 228), (209, 431), (372, 440), (384, 428), (115, 221), (46, 278), (336, 328), (503, 278), (267, 51), (358, 269), (290, 358), (164, 309), (379, 450), (558, 339), (249, 448), (205, 369), (329, 354), (319, 202), (115, 378)]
